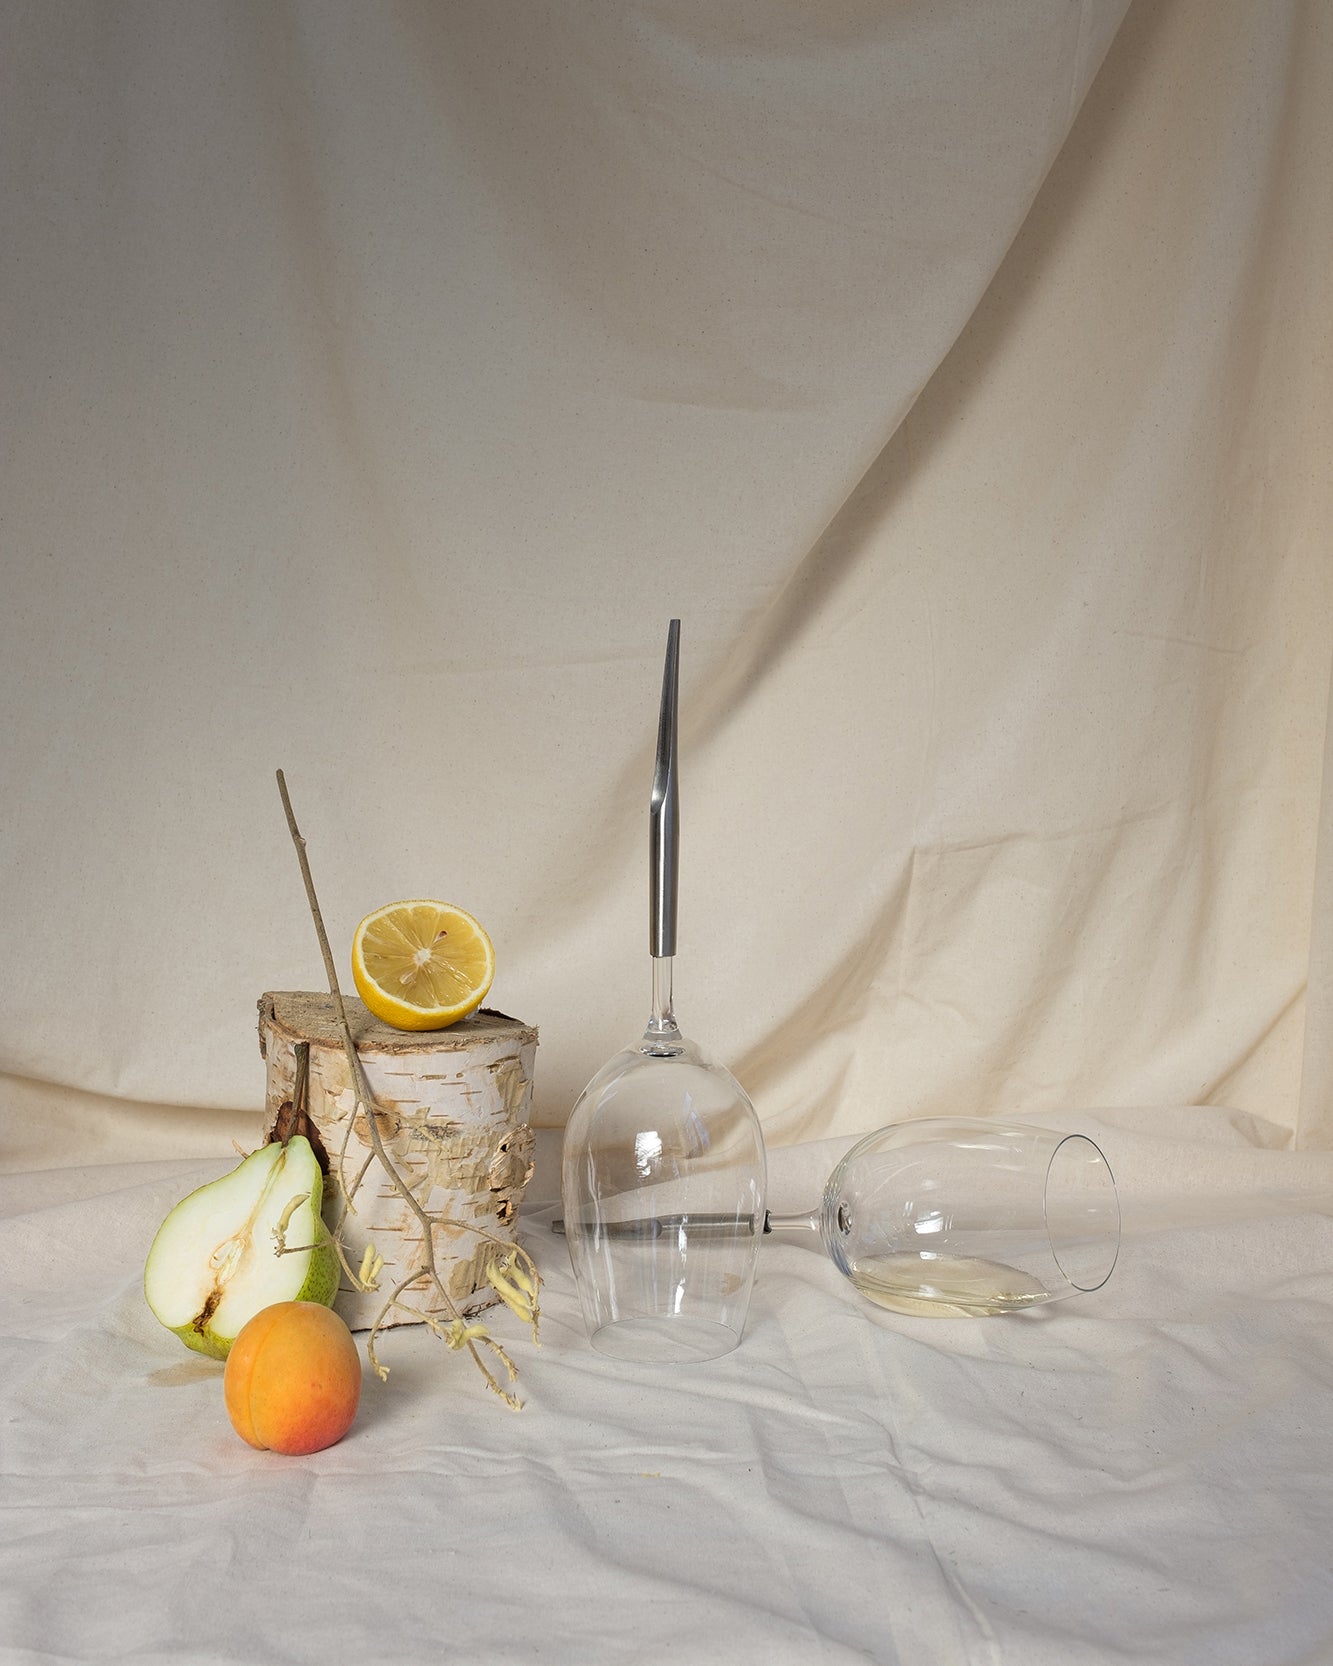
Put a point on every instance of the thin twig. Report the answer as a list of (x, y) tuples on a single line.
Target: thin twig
[(330, 969), (365, 1100)]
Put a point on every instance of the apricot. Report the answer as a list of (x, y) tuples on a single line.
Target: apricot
[(293, 1379)]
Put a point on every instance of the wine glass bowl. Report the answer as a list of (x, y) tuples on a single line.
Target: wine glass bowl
[(964, 1217), (663, 1185)]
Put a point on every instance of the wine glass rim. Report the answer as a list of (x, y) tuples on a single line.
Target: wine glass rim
[(1061, 1142)]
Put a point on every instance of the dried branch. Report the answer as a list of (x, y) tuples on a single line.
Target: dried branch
[(457, 1333)]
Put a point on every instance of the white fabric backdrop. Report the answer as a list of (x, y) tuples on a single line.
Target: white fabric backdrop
[(380, 380)]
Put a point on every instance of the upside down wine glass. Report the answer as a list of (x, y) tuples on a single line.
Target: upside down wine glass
[(961, 1217), (663, 1169)]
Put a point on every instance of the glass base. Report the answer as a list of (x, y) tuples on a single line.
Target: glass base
[(665, 1341)]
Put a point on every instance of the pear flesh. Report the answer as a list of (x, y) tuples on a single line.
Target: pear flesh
[(214, 1263)]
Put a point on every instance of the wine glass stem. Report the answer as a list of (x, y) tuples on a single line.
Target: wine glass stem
[(662, 1025), (792, 1223)]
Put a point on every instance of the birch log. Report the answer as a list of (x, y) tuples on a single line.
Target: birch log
[(453, 1116)]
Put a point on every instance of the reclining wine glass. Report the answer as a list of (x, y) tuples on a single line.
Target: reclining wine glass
[(959, 1217), (663, 1167)]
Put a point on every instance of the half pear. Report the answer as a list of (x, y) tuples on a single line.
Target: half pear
[(215, 1261)]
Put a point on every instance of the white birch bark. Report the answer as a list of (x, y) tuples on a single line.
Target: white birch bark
[(453, 1117)]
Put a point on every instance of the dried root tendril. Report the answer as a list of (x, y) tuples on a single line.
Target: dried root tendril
[(372, 1265), (515, 1279)]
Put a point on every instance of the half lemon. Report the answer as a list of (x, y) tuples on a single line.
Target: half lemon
[(421, 965)]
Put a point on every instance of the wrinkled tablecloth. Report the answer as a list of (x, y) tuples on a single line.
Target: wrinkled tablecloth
[(1136, 1474)]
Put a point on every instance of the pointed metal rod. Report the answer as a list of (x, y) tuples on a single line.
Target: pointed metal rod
[(664, 811)]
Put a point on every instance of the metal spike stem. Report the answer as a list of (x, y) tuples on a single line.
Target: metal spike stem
[(664, 811)]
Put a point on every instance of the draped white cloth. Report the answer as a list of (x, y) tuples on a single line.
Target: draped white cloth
[(1135, 1475), (380, 377)]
